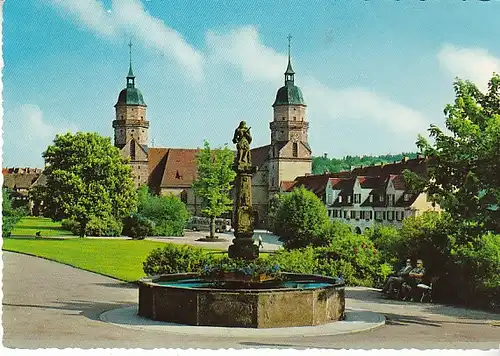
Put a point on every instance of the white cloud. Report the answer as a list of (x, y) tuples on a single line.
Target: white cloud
[(243, 49), (475, 64), (91, 13), (26, 129), (153, 32), (128, 18), (363, 104)]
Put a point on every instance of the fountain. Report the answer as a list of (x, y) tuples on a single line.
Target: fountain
[(236, 300)]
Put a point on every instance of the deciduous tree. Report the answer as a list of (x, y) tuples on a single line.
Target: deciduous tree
[(87, 179), (214, 182), (464, 164)]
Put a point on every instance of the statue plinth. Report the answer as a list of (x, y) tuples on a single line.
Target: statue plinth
[(243, 215)]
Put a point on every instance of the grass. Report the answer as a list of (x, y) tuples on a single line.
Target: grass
[(121, 259), (30, 225), (116, 258)]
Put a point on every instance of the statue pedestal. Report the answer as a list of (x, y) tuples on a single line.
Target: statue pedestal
[(243, 216)]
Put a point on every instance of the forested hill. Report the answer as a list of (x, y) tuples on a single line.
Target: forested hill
[(322, 164)]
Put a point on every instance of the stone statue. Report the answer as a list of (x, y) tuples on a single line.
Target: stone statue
[(242, 139)]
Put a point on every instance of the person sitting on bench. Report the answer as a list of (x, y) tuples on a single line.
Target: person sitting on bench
[(414, 277), (394, 281)]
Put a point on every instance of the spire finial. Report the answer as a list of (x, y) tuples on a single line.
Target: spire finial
[(289, 45), (130, 76), (289, 71), (130, 52)]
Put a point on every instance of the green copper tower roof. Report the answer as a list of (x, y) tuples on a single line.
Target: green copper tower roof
[(130, 95), (289, 94)]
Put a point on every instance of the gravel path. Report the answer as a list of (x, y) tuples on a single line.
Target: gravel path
[(47, 304)]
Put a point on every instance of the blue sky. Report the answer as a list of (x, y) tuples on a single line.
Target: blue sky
[(374, 73)]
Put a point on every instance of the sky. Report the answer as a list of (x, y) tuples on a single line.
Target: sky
[(374, 73)]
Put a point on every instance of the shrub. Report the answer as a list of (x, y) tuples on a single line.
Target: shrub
[(478, 266), (427, 237), (175, 259), (10, 215), (218, 267), (137, 226), (351, 256), (389, 243), (103, 226), (332, 230), (355, 258), (168, 213), (70, 225), (301, 219), (295, 261)]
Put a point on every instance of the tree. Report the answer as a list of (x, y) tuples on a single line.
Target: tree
[(463, 166), (214, 182), (10, 215), (302, 218), (87, 179), (272, 212), (167, 212)]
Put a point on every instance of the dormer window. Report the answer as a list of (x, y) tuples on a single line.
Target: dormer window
[(406, 197), (371, 198), (340, 199), (348, 198)]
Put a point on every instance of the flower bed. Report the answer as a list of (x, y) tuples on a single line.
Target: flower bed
[(232, 270)]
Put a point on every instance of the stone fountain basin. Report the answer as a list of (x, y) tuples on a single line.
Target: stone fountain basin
[(303, 300)]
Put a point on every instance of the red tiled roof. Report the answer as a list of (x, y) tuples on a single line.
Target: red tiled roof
[(19, 180), (398, 181), (157, 158), (369, 182), (287, 185), (180, 168), (259, 155), (416, 165)]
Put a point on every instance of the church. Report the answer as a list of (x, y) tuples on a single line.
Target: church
[(172, 170)]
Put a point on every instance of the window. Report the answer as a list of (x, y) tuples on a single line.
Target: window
[(406, 197), (370, 215), (378, 215), (132, 150), (345, 215), (283, 118), (348, 198), (339, 199), (295, 149), (357, 215), (371, 198), (390, 215), (357, 198), (335, 213), (381, 198), (353, 215), (295, 118)]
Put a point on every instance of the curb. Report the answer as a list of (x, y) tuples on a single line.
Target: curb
[(355, 321)]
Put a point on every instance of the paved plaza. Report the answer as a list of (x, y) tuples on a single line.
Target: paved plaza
[(47, 304)]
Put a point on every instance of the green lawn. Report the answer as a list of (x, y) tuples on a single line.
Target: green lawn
[(29, 225), (116, 258), (121, 259)]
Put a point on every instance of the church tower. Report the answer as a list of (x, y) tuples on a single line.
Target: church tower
[(290, 154), (131, 128)]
